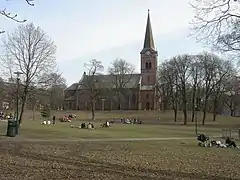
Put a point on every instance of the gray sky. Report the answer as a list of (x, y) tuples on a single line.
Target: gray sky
[(106, 29)]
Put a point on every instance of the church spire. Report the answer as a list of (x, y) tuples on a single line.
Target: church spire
[(148, 42)]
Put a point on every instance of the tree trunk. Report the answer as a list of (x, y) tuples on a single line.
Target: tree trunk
[(215, 109), (93, 109), (185, 115), (214, 117), (193, 114), (185, 110), (34, 109), (22, 109), (175, 114), (193, 104), (204, 112)]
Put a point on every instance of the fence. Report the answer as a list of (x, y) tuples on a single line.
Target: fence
[(231, 133)]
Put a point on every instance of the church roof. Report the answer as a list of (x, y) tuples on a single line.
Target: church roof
[(72, 87), (110, 81)]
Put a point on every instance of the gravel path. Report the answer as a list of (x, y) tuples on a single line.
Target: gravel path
[(22, 139)]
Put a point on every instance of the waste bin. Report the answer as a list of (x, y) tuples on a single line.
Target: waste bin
[(11, 128)]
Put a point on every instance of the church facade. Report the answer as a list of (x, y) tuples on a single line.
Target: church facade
[(140, 91)]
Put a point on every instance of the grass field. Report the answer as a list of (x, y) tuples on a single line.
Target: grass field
[(166, 116), (72, 158)]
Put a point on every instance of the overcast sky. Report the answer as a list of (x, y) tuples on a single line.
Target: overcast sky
[(106, 29)]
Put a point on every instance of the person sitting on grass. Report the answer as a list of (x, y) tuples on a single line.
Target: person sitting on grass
[(230, 143), (83, 125), (90, 126), (203, 140), (106, 124)]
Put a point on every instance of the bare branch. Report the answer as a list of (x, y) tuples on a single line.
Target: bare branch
[(13, 17), (30, 2), (123, 72), (10, 16), (216, 23)]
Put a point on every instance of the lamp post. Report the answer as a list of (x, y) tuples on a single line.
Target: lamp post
[(196, 109), (17, 114), (103, 104)]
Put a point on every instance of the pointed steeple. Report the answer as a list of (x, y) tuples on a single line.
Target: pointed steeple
[(148, 42)]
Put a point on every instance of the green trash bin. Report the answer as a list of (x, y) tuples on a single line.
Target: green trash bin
[(11, 128)]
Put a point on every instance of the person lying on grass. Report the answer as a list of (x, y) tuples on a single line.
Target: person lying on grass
[(230, 143)]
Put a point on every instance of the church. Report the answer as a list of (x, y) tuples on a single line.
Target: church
[(141, 89)]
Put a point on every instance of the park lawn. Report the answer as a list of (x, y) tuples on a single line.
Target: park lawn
[(33, 129), (151, 160), (136, 160), (165, 127), (161, 116)]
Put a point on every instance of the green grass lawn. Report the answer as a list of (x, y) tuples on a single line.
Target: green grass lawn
[(165, 127), (165, 116), (151, 160), (33, 129)]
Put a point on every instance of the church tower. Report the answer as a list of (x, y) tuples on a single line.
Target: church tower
[(148, 69)]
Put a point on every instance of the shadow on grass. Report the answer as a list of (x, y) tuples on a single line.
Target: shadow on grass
[(84, 166)]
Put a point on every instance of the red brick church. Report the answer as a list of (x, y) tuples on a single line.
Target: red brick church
[(141, 88)]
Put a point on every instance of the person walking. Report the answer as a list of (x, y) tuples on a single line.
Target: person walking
[(54, 119)]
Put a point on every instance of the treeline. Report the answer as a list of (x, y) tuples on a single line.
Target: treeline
[(203, 82), (50, 92)]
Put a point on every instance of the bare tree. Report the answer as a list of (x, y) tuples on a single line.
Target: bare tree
[(195, 82), (165, 84), (13, 17), (203, 81), (122, 71), (231, 96), (214, 70), (168, 89), (51, 79), (29, 50), (182, 66), (224, 72), (216, 22), (54, 83), (90, 83)]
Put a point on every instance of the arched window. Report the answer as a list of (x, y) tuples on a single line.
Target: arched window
[(150, 65), (146, 64)]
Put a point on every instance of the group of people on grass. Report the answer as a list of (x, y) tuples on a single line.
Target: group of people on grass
[(84, 126), (67, 118), (205, 141), (130, 121), (5, 116), (50, 122)]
